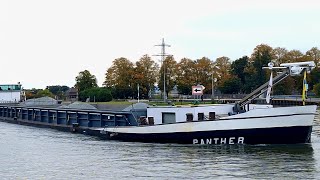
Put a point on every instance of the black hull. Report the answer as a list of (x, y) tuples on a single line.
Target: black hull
[(279, 135), (66, 128)]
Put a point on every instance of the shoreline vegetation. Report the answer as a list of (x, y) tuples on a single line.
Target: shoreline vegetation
[(124, 79), (194, 102)]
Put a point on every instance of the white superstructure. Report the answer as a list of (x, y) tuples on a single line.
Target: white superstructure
[(178, 114)]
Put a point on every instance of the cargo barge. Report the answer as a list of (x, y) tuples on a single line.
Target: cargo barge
[(261, 124), (239, 123), (74, 120)]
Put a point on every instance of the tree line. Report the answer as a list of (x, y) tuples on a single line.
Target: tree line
[(241, 75), (56, 91)]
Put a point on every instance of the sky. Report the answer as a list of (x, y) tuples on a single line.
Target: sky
[(44, 43)]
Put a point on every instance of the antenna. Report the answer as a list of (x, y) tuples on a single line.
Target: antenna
[(163, 55)]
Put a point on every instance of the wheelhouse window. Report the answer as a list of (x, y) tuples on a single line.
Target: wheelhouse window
[(168, 118)]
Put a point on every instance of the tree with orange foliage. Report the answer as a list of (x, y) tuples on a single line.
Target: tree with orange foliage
[(119, 78), (224, 67), (145, 74)]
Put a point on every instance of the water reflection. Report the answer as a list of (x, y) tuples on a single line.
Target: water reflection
[(241, 161)]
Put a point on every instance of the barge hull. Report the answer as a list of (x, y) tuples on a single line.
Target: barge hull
[(278, 135), (65, 128)]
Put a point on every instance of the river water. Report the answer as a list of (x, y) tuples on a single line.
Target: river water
[(37, 153)]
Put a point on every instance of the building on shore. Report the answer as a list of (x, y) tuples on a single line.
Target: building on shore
[(72, 94), (11, 93)]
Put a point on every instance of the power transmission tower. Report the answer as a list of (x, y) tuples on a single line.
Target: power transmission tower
[(163, 55)]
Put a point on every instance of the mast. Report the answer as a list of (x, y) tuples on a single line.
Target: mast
[(289, 69)]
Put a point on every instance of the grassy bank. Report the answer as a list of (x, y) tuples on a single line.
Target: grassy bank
[(152, 103)]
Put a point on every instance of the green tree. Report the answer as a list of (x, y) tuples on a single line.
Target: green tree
[(314, 77), (316, 89), (104, 95), (231, 86), (250, 78), (98, 94), (44, 93), (260, 57), (287, 86), (85, 80), (238, 68)]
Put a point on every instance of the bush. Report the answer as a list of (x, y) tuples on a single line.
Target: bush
[(99, 94), (103, 95), (44, 93), (316, 89)]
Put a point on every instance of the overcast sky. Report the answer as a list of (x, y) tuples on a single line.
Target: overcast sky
[(49, 42)]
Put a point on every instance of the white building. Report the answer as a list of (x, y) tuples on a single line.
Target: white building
[(11, 93)]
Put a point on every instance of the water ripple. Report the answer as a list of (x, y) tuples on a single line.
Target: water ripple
[(35, 153)]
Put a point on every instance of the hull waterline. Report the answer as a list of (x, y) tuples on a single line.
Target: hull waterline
[(281, 135)]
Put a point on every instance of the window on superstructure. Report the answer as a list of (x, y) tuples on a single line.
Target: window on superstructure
[(168, 118)]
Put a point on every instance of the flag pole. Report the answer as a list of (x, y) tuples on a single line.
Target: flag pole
[(304, 88), (138, 93), (269, 88), (270, 65)]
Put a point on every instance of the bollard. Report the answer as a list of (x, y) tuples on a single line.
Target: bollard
[(189, 117), (151, 120), (212, 115), (200, 116)]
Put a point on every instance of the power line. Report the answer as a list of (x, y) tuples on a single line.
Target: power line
[(163, 55)]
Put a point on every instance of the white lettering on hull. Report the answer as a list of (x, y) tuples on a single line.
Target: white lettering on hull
[(202, 141), (195, 141), (223, 141), (240, 140), (230, 140)]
